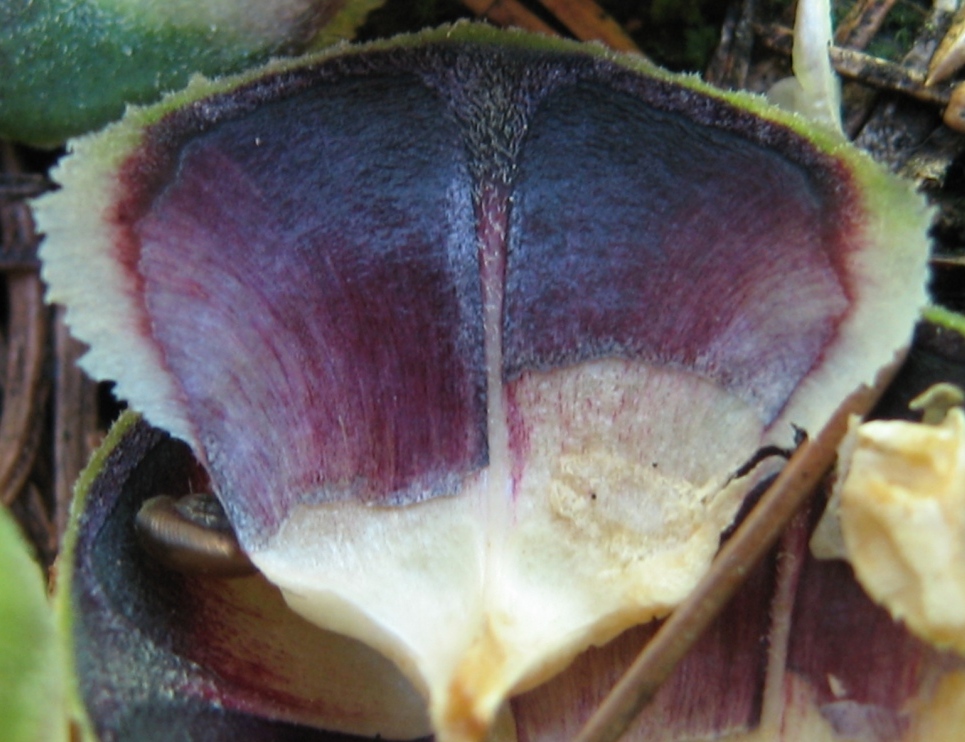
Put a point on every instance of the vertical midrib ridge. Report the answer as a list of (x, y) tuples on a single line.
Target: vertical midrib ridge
[(492, 214)]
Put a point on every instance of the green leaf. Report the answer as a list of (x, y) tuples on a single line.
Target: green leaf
[(31, 667), (71, 66)]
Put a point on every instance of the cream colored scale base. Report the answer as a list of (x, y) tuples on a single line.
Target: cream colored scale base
[(620, 500)]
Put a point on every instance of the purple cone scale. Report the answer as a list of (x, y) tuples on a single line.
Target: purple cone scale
[(472, 331)]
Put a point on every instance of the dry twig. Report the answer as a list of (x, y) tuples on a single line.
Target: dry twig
[(753, 538), (24, 391), (509, 14), (587, 21)]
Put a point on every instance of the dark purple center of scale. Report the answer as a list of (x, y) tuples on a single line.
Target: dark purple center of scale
[(310, 257)]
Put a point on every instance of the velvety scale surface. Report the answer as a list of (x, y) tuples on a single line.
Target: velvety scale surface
[(636, 233), (321, 284)]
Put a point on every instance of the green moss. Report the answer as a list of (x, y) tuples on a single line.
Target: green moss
[(896, 36)]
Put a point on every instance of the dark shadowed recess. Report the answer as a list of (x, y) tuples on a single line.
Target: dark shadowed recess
[(202, 722), (937, 355), (149, 666), (307, 245)]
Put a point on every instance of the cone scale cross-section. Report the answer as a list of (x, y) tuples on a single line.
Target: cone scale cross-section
[(473, 331)]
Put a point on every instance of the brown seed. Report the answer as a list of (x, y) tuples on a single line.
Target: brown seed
[(191, 535)]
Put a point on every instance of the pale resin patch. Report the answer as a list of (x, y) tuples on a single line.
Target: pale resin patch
[(488, 592)]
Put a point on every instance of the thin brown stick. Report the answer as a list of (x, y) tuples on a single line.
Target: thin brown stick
[(75, 419), (856, 31), (862, 23), (790, 564), (865, 68), (20, 186), (587, 21), (950, 54), (22, 420), (32, 511), (753, 538), (509, 14), (732, 58), (18, 239), (24, 391)]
